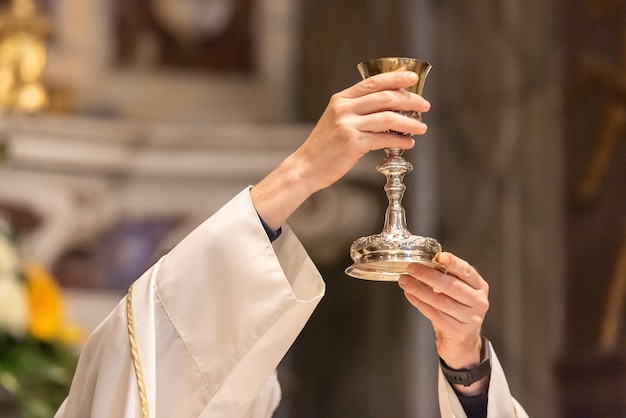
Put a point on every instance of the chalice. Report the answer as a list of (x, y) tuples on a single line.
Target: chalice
[(385, 256)]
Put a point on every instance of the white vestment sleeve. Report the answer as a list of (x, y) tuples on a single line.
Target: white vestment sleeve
[(500, 404), (213, 318)]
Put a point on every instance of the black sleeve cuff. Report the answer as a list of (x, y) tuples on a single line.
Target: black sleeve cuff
[(474, 406), (271, 233)]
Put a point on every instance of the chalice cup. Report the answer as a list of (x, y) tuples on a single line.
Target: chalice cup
[(385, 256)]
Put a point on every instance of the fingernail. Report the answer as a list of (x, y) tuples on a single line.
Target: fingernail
[(411, 76)]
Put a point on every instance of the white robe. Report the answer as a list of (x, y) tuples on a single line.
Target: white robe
[(212, 320), (500, 405)]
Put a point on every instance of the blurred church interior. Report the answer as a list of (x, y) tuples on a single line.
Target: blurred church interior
[(125, 123)]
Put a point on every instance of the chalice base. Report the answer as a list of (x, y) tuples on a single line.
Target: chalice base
[(385, 257)]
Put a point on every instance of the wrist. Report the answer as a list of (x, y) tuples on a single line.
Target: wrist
[(280, 193), (470, 380), (461, 354), (299, 174)]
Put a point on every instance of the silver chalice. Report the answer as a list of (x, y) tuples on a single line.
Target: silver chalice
[(385, 256)]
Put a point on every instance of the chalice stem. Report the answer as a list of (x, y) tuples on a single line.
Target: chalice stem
[(394, 167)]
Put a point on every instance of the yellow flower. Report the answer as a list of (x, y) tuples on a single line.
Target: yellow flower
[(47, 309), (46, 306)]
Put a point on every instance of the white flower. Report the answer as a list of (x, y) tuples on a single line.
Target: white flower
[(9, 258), (14, 311)]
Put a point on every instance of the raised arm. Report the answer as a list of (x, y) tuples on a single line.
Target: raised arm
[(356, 121)]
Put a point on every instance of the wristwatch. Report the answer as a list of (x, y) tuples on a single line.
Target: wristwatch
[(466, 377)]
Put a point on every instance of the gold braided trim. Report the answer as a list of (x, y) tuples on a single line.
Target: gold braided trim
[(141, 387)]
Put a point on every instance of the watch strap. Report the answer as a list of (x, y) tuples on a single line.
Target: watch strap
[(466, 377)]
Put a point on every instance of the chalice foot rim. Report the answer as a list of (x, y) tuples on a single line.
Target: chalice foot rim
[(389, 270)]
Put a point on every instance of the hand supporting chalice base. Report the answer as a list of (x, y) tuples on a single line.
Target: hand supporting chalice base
[(385, 256)]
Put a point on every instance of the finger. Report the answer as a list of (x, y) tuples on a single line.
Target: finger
[(462, 269), (462, 310), (450, 285), (385, 121), (386, 81), (400, 100), (376, 141), (439, 319)]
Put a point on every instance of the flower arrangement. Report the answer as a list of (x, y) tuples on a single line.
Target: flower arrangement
[(38, 349)]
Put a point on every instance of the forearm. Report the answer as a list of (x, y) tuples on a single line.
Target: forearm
[(278, 195)]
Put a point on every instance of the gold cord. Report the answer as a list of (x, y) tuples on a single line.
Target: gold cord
[(141, 387)]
